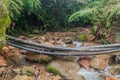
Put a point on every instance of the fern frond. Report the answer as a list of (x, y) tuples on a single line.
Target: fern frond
[(85, 15), (15, 7)]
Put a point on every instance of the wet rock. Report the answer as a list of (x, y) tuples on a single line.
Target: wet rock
[(100, 62), (67, 69), (115, 70), (90, 74), (24, 77), (115, 59), (68, 40), (79, 77), (17, 59), (28, 71)]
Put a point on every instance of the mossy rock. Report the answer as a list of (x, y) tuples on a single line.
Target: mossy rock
[(4, 22), (52, 69), (28, 71), (81, 37), (31, 35), (66, 69), (115, 70)]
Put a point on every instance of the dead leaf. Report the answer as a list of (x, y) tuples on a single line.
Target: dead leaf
[(90, 37), (3, 62)]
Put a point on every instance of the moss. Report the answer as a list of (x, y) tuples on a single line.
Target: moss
[(35, 31), (53, 70), (4, 22), (81, 37), (31, 35)]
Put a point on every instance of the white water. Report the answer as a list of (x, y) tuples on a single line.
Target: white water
[(90, 75)]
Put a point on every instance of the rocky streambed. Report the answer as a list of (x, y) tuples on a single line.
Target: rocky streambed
[(22, 65), (16, 64)]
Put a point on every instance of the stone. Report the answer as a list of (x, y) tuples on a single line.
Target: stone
[(68, 69), (100, 62), (4, 22), (24, 77), (3, 62), (68, 40), (26, 70), (79, 77), (16, 59), (90, 74), (115, 70), (38, 57), (81, 37)]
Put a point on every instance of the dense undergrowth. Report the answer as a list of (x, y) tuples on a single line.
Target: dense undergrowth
[(34, 16)]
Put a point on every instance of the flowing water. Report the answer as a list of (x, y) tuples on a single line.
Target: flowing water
[(90, 75)]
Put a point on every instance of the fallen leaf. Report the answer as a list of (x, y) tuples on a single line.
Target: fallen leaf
[(90, 37)]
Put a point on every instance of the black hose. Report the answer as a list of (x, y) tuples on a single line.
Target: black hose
[(64, 54), (60, 48), (81, 50)]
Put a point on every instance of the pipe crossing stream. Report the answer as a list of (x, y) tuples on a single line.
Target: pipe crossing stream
[(63, 51)]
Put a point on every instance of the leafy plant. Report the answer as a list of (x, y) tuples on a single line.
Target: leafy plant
[(101, 14)]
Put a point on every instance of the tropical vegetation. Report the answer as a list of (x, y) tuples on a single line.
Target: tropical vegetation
[(45, 15)]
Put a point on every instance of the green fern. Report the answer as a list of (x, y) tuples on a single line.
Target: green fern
[(84, 15), (15, 8)]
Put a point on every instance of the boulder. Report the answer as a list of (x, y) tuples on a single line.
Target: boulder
[(4, 22), (115, 70), (67, 69), (17, 60), (100, 62)]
